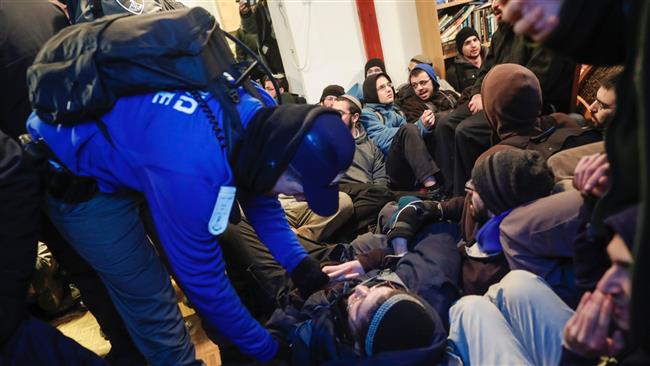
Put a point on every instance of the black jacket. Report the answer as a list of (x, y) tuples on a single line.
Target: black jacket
[(461, 74), (24, 27), (620, 28), (555, 73), (318, 330)]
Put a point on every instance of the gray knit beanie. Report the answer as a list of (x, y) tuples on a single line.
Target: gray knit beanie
[(511, 178)]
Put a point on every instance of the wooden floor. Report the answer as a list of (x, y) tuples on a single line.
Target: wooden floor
[(85, 330)]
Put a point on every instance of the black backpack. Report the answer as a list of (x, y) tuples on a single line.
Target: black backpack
[(555, 140), (81, 72)]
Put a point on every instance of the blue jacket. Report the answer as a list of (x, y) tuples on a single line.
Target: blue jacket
[(164, 147), (382, 130), (356, 91)]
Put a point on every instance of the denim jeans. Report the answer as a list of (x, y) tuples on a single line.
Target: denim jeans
[(108, 233), (519, 321)]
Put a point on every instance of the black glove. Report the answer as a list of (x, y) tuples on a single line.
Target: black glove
[(410, 219), (308, 277), (283, 356)]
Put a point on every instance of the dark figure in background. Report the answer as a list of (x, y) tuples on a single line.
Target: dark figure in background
[(25, 340), (256, 19)]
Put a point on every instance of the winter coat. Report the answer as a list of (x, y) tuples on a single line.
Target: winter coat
[(368, 165), (318, 329), (555, 73), (462, 74), (440, 100), (21, 37), (381, 122)]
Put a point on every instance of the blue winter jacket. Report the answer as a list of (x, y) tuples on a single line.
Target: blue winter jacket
[(164, 147), (382, 130)]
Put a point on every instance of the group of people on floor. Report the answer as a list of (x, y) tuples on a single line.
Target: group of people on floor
[(466, 220)]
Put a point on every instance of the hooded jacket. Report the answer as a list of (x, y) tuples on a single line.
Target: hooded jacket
[(368, 165), (462, 74), (381, 121), (512, 107), (440, 100), (555, 73), (164, 146), (513, 102)]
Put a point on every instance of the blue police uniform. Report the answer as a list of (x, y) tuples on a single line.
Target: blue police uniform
[(162, 145)]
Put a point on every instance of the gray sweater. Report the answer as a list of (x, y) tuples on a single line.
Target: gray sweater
[(368, 163)]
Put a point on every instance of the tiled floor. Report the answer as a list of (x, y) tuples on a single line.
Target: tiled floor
[(85, 330)]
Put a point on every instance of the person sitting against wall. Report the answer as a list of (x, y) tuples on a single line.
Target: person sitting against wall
[(463, 71), (284, 97), (372, 67), (329, 95), (408, 162), (428, 100)]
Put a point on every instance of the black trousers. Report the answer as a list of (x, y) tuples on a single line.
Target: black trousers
[(20, 205), (408, 161), (461, 137), (24, 340)]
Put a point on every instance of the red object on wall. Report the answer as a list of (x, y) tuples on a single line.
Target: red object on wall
[(369, 29)]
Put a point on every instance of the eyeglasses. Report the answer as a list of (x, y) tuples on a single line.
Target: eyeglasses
[(384, 87), (421, 84), (600, 105)]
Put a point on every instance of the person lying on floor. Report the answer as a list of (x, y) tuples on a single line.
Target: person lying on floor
[(379, 308)]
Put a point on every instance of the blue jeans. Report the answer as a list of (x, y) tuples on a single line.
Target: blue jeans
[(108, 233), (519, 321)]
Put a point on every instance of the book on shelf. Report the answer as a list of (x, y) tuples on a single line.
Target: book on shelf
[(477, 15)]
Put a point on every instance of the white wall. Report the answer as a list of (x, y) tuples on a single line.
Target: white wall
[(321, 43), (209, 5), (400, 36)]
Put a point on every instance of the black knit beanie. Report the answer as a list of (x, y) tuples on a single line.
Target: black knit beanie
[(335, 90), (374, 62), (511, 178), (401, 322), (370, 88), (462, 36)]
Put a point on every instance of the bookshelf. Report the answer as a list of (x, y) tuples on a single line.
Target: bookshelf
[(452, 4), (452, 16)]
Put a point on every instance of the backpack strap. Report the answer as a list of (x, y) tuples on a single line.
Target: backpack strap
[(379, 115)]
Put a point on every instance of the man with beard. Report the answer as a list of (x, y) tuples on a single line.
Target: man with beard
[(428, 101), (463, 72)]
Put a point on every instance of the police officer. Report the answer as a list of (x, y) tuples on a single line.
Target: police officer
[(167, 149)]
